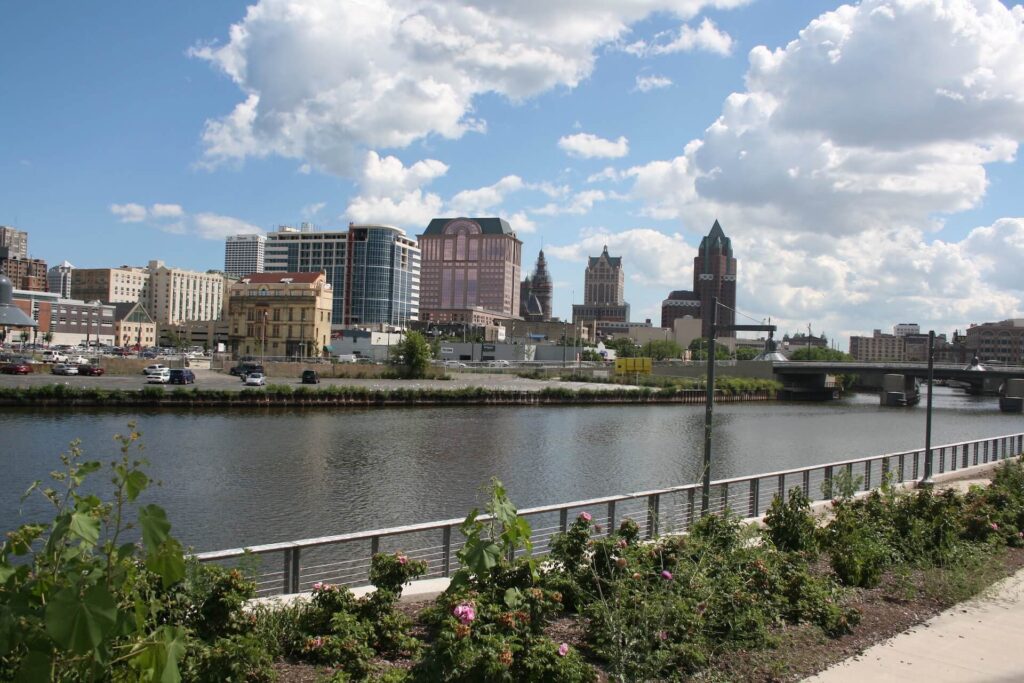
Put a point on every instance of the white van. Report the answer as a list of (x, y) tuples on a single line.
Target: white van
[(50, 356)]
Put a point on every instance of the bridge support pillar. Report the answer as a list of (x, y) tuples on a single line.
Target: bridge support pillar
[(899, 390), (1011, 399)]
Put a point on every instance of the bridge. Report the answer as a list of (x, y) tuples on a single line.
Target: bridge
[(898, 382)]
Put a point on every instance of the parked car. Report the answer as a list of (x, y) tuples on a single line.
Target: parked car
[(499, 364), (246, 367), (182, 376), (310, 377), (90, 370), (17, 367), (255, 379), (64, 369), (454, 364), (159, 377), (154, 369), (52, 356), (77, 360)]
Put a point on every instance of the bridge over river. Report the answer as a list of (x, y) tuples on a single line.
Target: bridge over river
[(898, 382)]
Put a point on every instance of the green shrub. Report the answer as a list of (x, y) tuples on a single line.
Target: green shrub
[(232, 659), (790, 525)]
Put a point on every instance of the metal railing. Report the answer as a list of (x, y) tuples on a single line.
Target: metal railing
[(345, 558)]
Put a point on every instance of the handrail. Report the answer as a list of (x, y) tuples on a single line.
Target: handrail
[(1006, 445)]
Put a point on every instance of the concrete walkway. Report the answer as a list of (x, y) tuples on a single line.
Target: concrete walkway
[(980, 641)]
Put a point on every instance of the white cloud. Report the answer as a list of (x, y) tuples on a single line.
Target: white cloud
[(212, 226), (412, 210), (129, 213), (706, 37), (581, 203), (521, 223), (323, 80), (589, 146), (309, 211), (650, 257), (652, 82), (606, 174), (389, 177), (166, 211), (476, 202), (391, 193)]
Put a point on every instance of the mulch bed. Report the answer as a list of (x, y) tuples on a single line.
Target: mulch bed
[(895, 606)]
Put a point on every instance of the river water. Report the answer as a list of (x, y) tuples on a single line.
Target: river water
[(242, 477)]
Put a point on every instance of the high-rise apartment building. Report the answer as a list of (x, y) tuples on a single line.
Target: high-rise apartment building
[(58, 279), (604, 292), (714, 275), (244, 254), (110, 285), (174, 296), (373, 270), (471, 271), (15, 240)]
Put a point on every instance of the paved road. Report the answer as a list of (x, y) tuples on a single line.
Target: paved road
[(208, 379)]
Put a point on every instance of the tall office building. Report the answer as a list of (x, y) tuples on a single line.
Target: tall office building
[(471, 271), (58, 279), (604, 291), (714, 275), (373, 270), (15, 240), (244, 254), (27, 274)]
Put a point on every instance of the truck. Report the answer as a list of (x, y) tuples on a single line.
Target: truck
[(50, 356)]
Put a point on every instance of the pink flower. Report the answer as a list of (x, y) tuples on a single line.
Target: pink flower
[(563, 649), (315, 643), (402, 559), (993, 526), (621, 543), (662, 635), (667, 575), (465, 612), (318, 586), (586, 517)]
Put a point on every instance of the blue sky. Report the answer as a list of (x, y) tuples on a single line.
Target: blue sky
[(862, 157)]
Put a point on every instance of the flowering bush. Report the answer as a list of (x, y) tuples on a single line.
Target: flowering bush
[(390, 572)]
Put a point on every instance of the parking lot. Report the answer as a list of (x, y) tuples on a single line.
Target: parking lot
[(211, 379)]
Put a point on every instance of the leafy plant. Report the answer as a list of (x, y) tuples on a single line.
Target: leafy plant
[(790, 525)]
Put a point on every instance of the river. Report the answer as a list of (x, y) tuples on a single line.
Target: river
[(242, 477)]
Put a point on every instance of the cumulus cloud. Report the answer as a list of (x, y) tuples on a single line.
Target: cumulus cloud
[(309, 211), (481, 200), (579, 204), (173, 218), (323, 80), (392, 193), (707, 37), (588, 146), (653, 258), (652, 82), (129, 213)]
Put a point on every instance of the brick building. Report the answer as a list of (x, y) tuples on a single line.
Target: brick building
[(714, 274), (280, 314)]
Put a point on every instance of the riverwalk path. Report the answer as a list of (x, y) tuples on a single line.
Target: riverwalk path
[(978, 641)]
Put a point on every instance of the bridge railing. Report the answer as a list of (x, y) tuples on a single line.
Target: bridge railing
[(294, 566)]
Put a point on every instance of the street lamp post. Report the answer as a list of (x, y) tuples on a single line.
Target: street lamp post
[(928, 481)]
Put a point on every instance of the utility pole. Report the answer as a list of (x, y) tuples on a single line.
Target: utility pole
[(927, 481)]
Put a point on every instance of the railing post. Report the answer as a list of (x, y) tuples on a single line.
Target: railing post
[(942, 460), (976, 445), (653, 503), (828, 482), (563, 520), (902, 467), (913, 473), (691, 505), (725, 497), (446, 551), (807, 483), (754, 497), (296, 556), (374, 546), (867, 475), (611, 516), (286, 582), (782, 487)]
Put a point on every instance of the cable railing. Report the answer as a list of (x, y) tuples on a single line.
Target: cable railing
[(295, 566)]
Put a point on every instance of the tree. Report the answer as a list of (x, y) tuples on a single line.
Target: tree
[(660, 349), (746, 353), (818, 353), (47, 337), (699, 350), (624, 347), (412, 356), (24, 338)]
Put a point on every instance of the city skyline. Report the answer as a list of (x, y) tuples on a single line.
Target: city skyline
[(886, 196)]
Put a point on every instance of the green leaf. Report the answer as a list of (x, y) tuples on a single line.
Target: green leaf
[(158, 660), (6, 572), (85, 526), (80, 623), (155, 527), (513, 598), (135, 483), (480, 557), (35, 666), (168, 561)]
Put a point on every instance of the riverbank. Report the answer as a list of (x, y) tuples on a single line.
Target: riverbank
[(66, 395)]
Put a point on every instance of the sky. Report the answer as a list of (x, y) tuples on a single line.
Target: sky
[(863, 157)]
